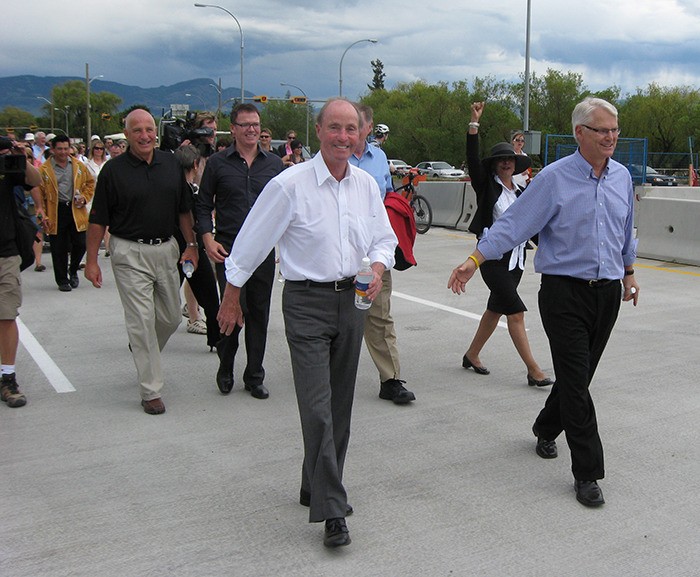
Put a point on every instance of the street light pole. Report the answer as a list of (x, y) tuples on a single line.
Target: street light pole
[(239, 29), (218, 89), (88, 81), (52, 109), (340, 73), (66, 108), (307, 109), (526, 94)]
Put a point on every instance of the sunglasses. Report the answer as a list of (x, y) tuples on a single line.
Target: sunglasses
[(99, 148)]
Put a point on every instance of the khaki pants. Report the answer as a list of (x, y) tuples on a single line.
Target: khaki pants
[(380, 334), (149, 287)]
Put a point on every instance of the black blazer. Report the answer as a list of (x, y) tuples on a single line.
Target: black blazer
[(486, 188)]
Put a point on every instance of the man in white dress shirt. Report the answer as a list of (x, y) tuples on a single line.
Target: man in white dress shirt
[(325, 216)]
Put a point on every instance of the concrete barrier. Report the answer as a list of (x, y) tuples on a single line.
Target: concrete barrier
[(667, 218), (453, 202), (668, 224)]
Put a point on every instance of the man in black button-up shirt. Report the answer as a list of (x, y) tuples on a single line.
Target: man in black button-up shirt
[(231, 183)]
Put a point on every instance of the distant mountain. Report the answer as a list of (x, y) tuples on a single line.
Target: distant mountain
[(23, 92)]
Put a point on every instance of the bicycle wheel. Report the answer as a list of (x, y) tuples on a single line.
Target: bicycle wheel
[(423, 213)]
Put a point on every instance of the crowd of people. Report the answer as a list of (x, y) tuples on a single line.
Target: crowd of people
[(223, 218)]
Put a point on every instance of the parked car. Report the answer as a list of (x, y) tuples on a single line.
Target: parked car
[(653, 177), (401, 168), (439, 169)]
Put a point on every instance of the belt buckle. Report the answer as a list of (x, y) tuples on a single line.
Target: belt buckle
[(157, 241), (592, 282), (341, 285)]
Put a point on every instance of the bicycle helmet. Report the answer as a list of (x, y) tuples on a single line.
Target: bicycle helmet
[(381, 130)]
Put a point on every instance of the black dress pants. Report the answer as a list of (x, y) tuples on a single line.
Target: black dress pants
[(204, 288), (255, 304), (578, 319), (66, 240)]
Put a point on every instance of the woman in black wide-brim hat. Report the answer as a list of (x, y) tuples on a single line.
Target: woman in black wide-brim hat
[(492, 180)]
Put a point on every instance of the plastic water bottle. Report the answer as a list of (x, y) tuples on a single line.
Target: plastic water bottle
[(362, 280), (188, 268)]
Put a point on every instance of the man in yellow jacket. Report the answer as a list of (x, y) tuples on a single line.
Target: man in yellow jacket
[(66, 186)]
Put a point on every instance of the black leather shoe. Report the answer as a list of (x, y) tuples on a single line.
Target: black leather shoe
[(74, 280), (65, 287), (467, 364), (305, 500), (258, 391), (336, 533), (224, 379), (588, 493), (545, 449), (535, 383), (393, 390)]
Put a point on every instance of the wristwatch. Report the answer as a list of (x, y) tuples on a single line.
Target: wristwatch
[(629, 272), (192, 245)]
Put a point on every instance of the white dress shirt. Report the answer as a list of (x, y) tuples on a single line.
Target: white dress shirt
[(324, 228), (507, 198)]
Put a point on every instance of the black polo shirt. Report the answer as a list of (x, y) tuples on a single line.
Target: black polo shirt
[(231, 187), (141, 200)]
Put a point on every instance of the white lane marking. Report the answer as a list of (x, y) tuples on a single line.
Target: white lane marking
[(58, 380), (443, 307)]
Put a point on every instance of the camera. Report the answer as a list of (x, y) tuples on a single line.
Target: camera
[(13, 164), (176, 130)]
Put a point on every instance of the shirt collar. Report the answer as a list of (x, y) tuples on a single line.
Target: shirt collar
[(322, 172), (586, 166), (368, 150)]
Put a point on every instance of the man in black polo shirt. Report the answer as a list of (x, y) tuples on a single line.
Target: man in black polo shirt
[(143, 197), (232, 181)]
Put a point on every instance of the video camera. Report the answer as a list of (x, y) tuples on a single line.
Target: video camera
[(176, 130), (13, 164)]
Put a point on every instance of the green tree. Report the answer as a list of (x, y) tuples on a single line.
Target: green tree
[(70, 99), (666, 116), (281, 116), (378, 75), (12, 118)]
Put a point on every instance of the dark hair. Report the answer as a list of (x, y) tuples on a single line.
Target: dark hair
[(243, 107), (296, 144), (59, 138)]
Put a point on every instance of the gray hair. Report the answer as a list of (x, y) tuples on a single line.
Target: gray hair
[(584, 111)]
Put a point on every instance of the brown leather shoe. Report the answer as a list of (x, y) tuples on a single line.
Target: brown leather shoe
[(153, 407)]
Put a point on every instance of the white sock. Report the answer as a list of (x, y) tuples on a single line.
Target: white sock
[(8, 369)]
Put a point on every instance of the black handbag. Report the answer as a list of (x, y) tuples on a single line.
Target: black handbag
[(25, 236)]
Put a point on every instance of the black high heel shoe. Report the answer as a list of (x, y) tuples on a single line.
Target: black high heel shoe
[(543, 383), (467, 364)]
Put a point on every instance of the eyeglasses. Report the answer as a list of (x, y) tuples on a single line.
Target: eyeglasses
[(291, 137), (247, 125), (99, 148), (603, 131), (519, 140), (265, 136)]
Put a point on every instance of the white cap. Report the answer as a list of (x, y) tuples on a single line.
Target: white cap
[(50, 136), (94, 137), (29, 136)]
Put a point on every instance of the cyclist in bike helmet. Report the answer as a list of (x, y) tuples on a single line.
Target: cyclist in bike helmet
[(381, 133)]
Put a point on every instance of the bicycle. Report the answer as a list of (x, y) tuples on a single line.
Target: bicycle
[(422, 211)]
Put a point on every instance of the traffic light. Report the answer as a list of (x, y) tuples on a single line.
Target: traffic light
[(106, 116), (262, 99), (298, 100)]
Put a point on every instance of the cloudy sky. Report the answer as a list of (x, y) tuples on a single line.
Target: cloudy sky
[(148, 43)]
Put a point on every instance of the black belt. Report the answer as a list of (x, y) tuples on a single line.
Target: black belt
[(152, 241), (594, 283), (65, 202), (343, 284)]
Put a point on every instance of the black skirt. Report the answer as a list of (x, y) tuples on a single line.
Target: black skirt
[(503, 284)]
